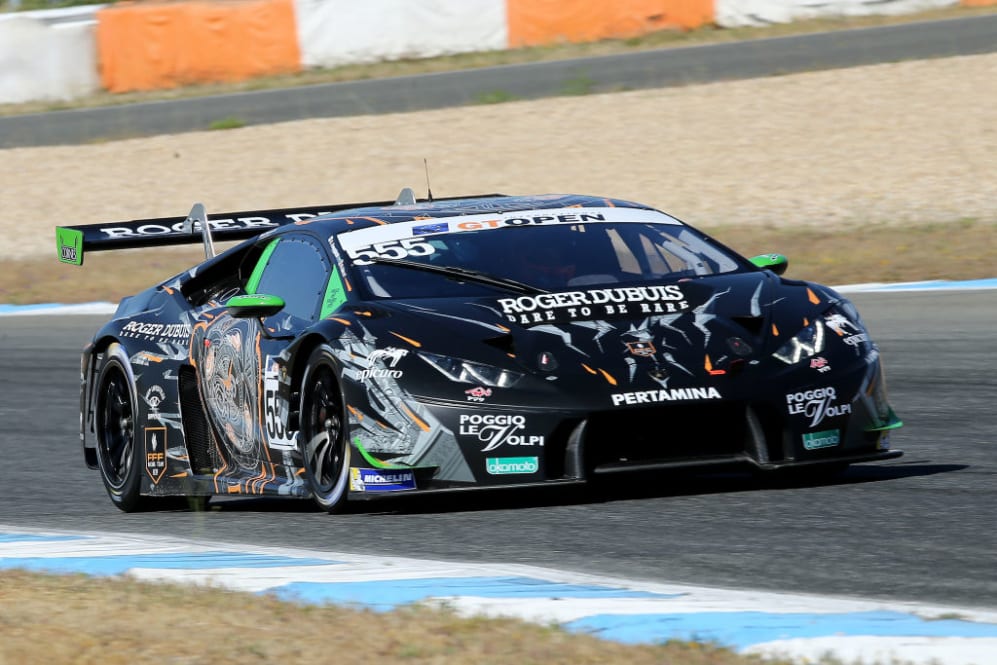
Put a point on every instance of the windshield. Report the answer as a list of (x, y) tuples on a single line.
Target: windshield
[(545, 257)]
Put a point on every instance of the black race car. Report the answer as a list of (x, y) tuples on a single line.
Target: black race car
[(348, 352)]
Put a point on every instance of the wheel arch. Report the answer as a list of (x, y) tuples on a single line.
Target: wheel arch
[(303, 349), (90, 366), (332, 498), (115, 351)]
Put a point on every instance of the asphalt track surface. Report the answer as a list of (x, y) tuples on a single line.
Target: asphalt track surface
[(919, 528), (647, 69)]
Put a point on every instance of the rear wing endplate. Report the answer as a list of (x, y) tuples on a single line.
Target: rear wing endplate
[(74, 241)]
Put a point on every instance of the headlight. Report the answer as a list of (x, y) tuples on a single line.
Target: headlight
[(465, 371), (807, 343)]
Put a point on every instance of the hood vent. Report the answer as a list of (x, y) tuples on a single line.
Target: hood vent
[(752, 324), (504, 343)]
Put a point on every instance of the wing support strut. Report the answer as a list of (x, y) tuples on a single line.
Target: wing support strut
[(198, 214)]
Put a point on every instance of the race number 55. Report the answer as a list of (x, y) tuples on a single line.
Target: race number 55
[(278, 437)]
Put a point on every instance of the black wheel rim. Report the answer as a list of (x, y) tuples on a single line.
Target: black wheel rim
[(324, 447), (117, 428)]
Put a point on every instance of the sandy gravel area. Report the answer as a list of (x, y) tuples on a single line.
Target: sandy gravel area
[(894, 143)]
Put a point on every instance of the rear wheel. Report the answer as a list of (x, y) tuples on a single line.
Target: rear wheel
[(323, 432), (117, 451)]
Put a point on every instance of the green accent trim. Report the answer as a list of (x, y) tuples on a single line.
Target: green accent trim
[(335, 295), (254, 305), (69, 245), (770, 261), (892, 422), (254, 279), (374, 462)]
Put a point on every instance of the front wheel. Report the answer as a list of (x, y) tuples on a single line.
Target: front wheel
[(323, 432), (117, 452)]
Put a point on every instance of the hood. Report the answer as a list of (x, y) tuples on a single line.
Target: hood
[(660, 334)]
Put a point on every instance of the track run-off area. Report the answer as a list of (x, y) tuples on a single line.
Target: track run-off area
[(893, 559)]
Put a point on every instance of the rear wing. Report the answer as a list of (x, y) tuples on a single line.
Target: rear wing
[(74, 241)]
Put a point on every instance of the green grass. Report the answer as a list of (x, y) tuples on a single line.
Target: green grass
[(581, 85), (495, 97), (74, 619), (231, 122)]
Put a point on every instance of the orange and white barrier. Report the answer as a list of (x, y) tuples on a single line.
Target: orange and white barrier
[(47, 55), (144, 46), (341, 32), (738, 13), (61, 54), (538, 22)]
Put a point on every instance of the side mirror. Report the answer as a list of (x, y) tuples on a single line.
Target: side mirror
[(254, 306), (777, 263)]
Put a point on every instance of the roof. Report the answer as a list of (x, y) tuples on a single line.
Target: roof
[(358, 218)]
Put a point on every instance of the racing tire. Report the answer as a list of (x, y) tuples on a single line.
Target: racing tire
[(117, 449), (323, 432)]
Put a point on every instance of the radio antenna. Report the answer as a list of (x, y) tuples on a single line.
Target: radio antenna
[(425, 163)]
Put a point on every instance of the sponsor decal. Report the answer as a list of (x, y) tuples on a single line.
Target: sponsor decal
[(389, 357), (569, 218), (642, 349), (816, 404), (855, 340), (840, 324), (155, 453), (594, 304), (70, 242), (215, 224), (478, 394), (380, 373), (817, 440), (665, 395), (154, 396), (419, 230), (507, 466), (850, 332), (274, 409), (820, 364), (381, 480), (426, 229), (495, 430), (139, 329)]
